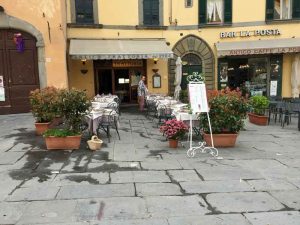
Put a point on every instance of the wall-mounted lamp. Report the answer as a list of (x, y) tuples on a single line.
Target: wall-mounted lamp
[(83, 70), (155, 60)]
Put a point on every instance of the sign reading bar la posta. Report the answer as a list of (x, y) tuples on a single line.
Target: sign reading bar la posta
[(264, 32)]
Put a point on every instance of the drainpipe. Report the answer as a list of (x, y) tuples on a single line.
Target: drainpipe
[(171, 12)]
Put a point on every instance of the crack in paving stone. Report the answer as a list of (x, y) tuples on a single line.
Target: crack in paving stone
[(80, 178), (209, 206), (144, 136), (173, 181), (154, 153), (199, 175)]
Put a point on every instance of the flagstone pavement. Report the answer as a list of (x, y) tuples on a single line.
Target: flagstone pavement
[(138, 180)]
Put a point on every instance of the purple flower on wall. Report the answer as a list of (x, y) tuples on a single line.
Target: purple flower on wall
[(19, 41)]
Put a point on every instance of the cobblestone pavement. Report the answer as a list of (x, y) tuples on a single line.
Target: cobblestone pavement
[(138, 180)]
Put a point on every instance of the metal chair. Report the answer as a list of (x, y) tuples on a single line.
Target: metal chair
[(164, 114), (151, 109), (107, 122)]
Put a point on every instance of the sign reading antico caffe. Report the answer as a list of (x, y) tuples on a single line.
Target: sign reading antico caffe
[(264, 32), (260, 51)]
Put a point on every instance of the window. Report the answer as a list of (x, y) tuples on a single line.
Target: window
[(215, 11), (282, 9), (84, 11), (151, 12), (188, 3)]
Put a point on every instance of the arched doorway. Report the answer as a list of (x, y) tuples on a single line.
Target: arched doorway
[(191, 64), (19, 70), (194, 48)]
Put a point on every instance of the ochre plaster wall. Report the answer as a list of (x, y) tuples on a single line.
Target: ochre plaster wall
[(39, 13)]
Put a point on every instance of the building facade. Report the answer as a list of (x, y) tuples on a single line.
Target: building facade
[(233, 43), (105, 46), (32, 50)]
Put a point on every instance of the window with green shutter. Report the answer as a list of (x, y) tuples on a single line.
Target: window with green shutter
[(215, 12), (151, 12), (296, 9), (84, 11), (282, 9)]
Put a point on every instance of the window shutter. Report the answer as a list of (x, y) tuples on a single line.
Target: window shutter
[(296, 9), (84, 11), (202, 8), (269, 9), (227, 11), (151, 12)]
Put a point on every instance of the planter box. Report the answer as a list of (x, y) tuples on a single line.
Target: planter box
[(40, 128), (173, 143), (221, 140), (258, 120), (70, 142)]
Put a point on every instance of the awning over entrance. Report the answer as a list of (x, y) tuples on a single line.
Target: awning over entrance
[(274, 46), (119, 49)]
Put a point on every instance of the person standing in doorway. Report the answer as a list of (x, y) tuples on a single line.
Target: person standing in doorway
[(142, 92)]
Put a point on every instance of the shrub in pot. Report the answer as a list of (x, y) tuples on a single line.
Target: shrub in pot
[(73, 105), (43, 107), (258, 104), (174, 130), (228, 109)]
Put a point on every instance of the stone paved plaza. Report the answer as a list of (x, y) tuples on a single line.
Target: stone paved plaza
[(138, 180)]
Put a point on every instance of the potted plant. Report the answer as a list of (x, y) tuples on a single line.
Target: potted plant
[(174, 130), (228, 109), (258, 104), (43, 103), (73, 105)]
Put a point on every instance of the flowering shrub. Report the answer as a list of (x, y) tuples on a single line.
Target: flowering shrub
[(228, 109), (44, 104), (174, 129)]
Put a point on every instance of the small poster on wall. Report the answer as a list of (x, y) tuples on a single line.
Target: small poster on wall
[(2, 94), (273, 88), (198, 99)]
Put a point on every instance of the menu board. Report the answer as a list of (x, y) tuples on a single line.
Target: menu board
[(198, 99)]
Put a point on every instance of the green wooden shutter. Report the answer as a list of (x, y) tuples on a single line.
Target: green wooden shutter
[(151, 12), (202, 7), (296, 9), (228, 11), (269, 9)]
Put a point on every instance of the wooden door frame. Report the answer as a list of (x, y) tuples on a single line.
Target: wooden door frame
[(108, 66)]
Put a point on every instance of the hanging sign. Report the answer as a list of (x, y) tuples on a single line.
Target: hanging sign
[(127, 63), (198, 99)]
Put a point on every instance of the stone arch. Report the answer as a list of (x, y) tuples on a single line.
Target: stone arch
[(195, 45), (10, 22)]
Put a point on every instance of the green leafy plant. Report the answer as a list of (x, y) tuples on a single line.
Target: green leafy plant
[(228, 109), (59, 133), (259, 104), (73, 105), (44, 104)]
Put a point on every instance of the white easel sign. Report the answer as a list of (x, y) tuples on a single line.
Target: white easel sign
[(198, 99)]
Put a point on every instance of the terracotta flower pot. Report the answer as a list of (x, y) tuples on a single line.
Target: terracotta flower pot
[(40, 128), (69, 142), (221, 140), (257, 119), (173, 143)]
